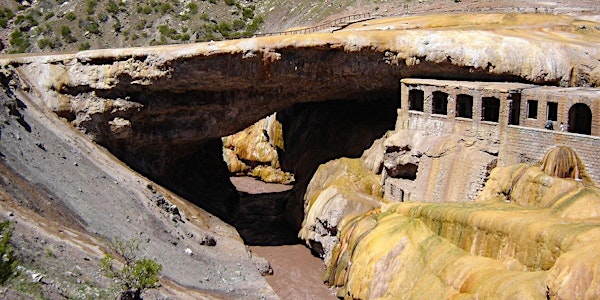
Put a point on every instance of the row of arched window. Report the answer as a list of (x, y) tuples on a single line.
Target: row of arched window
[(490, 110), (579, 117)]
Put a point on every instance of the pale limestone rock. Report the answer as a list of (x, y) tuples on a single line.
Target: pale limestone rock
[(119, 125), (339, 188), (530, 235)]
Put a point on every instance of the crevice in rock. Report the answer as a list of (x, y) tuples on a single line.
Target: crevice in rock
[(404, 171)]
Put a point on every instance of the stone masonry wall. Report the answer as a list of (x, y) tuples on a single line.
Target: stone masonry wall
[(529, 145), (458, 151)]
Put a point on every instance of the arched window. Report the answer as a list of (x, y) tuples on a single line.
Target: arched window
[(440, 103), (580, 119), (415, 100), (490, 109), (464, 106)]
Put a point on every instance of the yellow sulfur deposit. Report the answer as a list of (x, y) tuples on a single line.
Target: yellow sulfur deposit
[(529, 235), (253, 151)]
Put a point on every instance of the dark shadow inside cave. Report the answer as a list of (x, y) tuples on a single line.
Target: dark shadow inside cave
[(314, 133)]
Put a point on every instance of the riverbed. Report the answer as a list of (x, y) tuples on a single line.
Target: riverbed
[(296, 272)]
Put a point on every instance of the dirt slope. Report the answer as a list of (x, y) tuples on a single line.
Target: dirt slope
[(66, 197)]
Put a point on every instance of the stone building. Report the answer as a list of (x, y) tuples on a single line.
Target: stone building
[(467, 128)]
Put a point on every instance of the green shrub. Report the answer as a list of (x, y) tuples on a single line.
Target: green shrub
[(165, 8), (112, 7), (147, 10), (248, 13), (102, 17), (224, 26), (89, 25), (254, 26), (70, 16), (166, 30), (230, 2), (65, 30), (84, 46), (48, 16), (137, 274), (26, 21), (213, 1), (238, 24), (44, 43), (6, 13), (117, 26), (8, 263), (18, 42), (141, 24), (90, 6), (193, 8)]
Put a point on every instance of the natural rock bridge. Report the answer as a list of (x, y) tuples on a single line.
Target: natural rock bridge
[(162, 110), (156, 108)]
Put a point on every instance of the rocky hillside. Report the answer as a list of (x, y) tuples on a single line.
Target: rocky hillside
[(61, 25)]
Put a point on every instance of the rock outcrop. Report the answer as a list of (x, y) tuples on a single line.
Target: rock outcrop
[(254, 151), (521, 236)]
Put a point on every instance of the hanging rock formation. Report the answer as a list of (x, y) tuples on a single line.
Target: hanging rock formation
[(254, 151)]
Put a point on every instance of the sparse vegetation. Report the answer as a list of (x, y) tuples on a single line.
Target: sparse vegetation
[(193, 8), (5, 16), (137, 274), (112, 7), (165, 8), (8, 263), (48, 16), (70, 16), (91, 6), (65, 31), (135, 21), (18, 42), (44, 43), (89, 25), (84, 46)]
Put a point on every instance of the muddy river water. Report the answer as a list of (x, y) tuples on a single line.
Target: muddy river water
[(296, 272)]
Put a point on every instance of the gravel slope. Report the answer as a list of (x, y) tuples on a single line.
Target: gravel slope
[(66, 197)]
